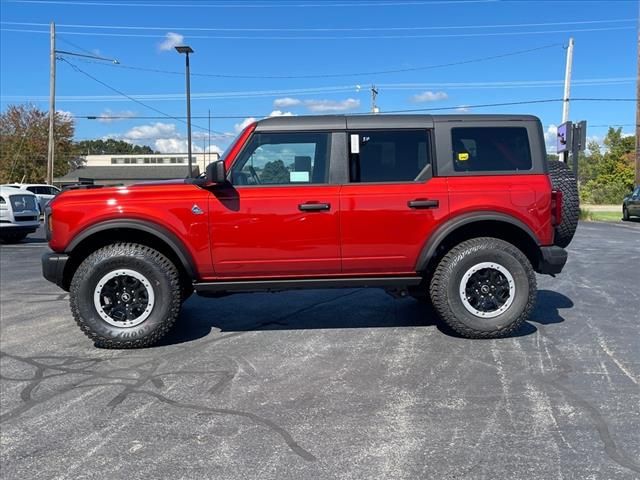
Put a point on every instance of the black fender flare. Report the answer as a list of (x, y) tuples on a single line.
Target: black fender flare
[(163, 234), (454, 223)]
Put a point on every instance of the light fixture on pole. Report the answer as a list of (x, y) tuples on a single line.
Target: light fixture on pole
[(187, 50)]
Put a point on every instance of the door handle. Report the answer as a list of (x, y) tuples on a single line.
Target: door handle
[(314, 207), (423, 204)]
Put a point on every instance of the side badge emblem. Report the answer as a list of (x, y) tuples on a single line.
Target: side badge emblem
[(196, 210)]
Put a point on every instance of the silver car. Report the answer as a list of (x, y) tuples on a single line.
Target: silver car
[(19, 214), (44, 192)]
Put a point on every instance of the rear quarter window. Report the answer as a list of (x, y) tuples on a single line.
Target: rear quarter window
[(491, 149)]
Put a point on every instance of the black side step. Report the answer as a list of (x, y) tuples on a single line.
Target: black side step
[(296, 284)]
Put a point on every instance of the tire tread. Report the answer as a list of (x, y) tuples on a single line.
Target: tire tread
[(135, 250), (441, 278)]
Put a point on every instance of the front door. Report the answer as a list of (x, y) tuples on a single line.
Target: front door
[(392, 203), (279, 217)]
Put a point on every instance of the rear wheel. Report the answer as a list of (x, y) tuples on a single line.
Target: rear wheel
[(125, 295), (484, 288), (563, 180)]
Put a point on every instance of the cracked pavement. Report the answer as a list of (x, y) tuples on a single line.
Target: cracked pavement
[(330, 383)]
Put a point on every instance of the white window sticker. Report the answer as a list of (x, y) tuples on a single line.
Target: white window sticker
[(299, 177), (355, 143)]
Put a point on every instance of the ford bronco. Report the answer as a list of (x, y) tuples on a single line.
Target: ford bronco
[(459, 210)]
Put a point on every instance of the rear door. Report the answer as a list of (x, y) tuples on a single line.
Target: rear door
[(279, 216), (392, 202)]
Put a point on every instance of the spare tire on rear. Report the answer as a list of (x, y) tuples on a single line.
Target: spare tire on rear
[(563, 180)]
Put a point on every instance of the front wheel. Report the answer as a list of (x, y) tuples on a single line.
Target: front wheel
[(625, 214), (484, 288), (125, 295)]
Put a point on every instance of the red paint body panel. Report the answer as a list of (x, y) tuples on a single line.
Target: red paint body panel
[(380, 233), (259, 231), (524, 197), (166, 205)]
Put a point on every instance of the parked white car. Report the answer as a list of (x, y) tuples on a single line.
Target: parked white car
[(19, 214), (44, 192)]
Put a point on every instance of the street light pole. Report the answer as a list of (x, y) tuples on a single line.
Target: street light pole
[(52, 105), (187, 50)]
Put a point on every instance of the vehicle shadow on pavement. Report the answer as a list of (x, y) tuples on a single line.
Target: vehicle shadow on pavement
[(198, 319)]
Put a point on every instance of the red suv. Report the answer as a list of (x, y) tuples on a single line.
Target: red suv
[(461, 210)]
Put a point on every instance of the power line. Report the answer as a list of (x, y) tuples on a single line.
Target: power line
[(309, 37), (348, 74), (324, 29), (332, 89), (254, 5), (79, 70), (427, 109), (504, 104)]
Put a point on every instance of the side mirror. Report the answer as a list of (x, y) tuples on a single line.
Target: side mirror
[(216, 172)]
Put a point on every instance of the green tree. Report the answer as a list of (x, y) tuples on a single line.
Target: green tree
[(275, 172), (110, 146), (606, 174), (24, 137)]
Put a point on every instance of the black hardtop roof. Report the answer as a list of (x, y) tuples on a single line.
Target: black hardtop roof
[(327, 122)]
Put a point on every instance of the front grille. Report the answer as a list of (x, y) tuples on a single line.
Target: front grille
[(20, 203), (25, 218)]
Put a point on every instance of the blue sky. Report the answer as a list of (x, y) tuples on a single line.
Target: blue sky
[(319, 45)]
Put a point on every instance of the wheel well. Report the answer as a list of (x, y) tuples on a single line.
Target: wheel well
[(486, 228), (106, 237)]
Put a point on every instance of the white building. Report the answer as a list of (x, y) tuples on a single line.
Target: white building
[(128, 169)]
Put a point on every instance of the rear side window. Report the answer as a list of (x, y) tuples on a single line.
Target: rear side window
[(388, 155), (490, 149)]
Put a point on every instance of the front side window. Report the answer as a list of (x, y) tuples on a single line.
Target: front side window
[(490, 149), (388, 155), (283, 159)]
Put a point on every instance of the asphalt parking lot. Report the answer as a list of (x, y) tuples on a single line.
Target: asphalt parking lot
[(330, 384)]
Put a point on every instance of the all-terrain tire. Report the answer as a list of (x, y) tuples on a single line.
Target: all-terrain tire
[(448, 278), (158, 272), (563, 180)]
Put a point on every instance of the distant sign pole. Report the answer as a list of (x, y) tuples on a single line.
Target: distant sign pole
[(52, 105), (572, 139)]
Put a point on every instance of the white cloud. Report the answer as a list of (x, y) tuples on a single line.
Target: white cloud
[(551, 138), (278, 113), (332, 106), (156, 130), (463, 109), (170, 145), (238, 127), (214, 149), (67, 115), (170, 41), (106, 116), (286, 102), (429, 96)]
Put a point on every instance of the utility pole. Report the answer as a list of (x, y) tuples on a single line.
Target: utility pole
[(187, 50), (52, 104), (638, 113), (567, 93), (567, 82), (374, 95)]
